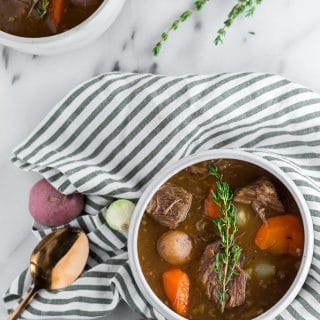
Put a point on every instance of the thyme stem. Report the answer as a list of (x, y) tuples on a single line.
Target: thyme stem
[(198, 5), (228, 257), (248, 7), (40, 7)]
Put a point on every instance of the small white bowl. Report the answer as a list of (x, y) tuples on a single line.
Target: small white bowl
[(174, 168), (79, 36)]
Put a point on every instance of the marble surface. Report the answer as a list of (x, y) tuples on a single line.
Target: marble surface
[(286, 42)]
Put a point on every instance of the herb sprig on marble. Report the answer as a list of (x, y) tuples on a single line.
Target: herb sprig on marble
[(198, 5), (227, 259), (246, 7)]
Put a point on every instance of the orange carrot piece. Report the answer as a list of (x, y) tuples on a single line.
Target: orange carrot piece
[(56, 8), (211, 209), (281, 235), (176, 285)]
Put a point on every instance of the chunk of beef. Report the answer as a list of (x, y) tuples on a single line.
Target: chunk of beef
[(237, 289), (170, 205), (200, 169), (207, 274), (223, 164), (18, 8), (261, 195), (208, 277)]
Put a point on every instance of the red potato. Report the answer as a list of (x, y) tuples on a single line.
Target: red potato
[(175, 247), (50, 207)]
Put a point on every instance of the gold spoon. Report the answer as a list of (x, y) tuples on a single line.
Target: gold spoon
[(56, 262)]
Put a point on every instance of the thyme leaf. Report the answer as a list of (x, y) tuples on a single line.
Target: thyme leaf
[(197, 5), (248, 7), (40, 7), (227, 259)]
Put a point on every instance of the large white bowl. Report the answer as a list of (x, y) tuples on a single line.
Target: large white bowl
[(172, 169), (79, 36)]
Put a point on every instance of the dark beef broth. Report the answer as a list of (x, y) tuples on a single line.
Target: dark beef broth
[(15, 18), (260, 294)]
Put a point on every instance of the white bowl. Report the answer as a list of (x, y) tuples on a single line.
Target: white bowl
[(174, 168), (79, 36)]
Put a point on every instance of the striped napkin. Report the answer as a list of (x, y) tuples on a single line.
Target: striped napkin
[(111, 135)]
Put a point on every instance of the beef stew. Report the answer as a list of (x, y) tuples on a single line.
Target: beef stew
[(265, 269), (41, 18)]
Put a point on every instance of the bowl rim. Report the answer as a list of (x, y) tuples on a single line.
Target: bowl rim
[(105, 6), (173, 168)]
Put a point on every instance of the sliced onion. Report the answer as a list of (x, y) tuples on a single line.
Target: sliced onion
[(264, 270), (242, 216)]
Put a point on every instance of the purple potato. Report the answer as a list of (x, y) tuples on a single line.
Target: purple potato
[(50, 207)]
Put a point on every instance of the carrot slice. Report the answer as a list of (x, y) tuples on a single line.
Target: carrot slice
[(281, 235), (56, 8), (176, 285), (211, 209)]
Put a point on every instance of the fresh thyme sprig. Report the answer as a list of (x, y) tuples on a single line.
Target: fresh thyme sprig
[(198, 5), (248, 7), (228, 257), (40, 7)]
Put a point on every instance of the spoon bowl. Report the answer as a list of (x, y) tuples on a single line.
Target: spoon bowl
[(56, 262)]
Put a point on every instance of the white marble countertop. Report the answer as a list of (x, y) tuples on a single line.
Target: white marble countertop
[(286, 42)]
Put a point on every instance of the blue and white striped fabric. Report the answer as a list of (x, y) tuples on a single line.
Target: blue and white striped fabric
[(111, 135)]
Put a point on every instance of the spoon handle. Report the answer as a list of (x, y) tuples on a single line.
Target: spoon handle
[(22, 305)]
